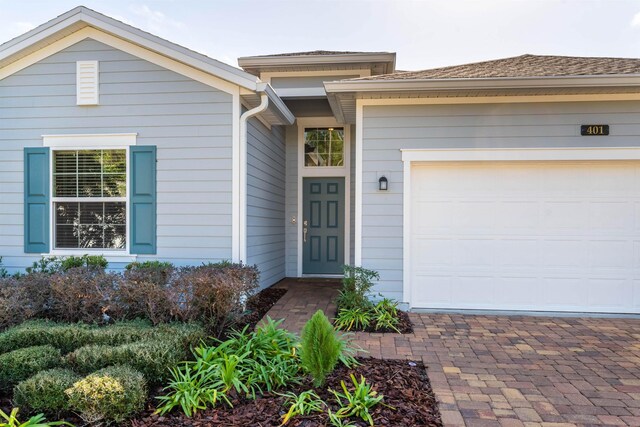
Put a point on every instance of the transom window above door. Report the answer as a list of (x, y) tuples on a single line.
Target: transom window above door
[(90, 199), (324, 147)]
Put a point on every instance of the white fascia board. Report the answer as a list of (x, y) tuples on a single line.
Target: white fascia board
[(280, 107), (133, 35), (483, 83), (283, 61), (90, 140)]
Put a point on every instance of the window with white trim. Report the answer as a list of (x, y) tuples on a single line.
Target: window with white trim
[(324, 147), (90, 199)]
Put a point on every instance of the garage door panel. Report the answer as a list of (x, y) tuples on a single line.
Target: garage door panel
[(559, 236)]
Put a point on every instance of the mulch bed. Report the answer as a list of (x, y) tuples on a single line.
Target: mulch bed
[(258, 305), (404, 325), (404, 384)]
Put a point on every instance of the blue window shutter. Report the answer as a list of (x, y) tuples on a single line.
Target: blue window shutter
[(36, 200), (143, 199)]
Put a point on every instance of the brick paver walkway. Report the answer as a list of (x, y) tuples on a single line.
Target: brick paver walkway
[(508, 371)]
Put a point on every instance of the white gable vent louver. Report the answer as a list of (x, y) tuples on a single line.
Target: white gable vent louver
[(87, 82)]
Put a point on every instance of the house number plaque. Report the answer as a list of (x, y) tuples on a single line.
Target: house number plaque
[(594, 130)]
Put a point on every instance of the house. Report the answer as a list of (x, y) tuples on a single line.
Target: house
[(504, 185)]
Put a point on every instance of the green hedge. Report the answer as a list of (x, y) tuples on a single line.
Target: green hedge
[(153, 358), (111, 394), (45, 391), (18, 365), (69, 337)]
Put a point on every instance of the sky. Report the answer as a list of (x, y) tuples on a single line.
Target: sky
[(424, 34)]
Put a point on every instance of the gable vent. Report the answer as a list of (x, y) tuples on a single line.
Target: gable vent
[(87, 82)]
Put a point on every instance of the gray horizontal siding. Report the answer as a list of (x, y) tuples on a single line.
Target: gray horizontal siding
[(266, 201), (387, 129), (189, 122)]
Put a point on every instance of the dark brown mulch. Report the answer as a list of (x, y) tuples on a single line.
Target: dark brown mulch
[(404, 384), (259, 304)]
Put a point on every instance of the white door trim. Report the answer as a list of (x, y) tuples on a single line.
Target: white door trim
[(410, 156), (329, 172)]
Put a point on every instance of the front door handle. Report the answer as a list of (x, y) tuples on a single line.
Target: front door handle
[(304, 232)]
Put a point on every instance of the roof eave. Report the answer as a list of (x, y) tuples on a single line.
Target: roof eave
[(258, 62), (134, 35), (425, 85)]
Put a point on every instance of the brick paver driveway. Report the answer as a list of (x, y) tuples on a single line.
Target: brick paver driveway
[(507, 370), (525, 371)]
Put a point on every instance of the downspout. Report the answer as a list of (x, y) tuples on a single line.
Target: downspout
[(264, 103)]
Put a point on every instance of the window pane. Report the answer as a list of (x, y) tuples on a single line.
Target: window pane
[(97, 225), (115, 185), (65, 186), (65, 162), (114, 161), (90, 185), (89, 161), (324, 147)]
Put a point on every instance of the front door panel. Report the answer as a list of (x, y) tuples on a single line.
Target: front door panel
[(323, 226)]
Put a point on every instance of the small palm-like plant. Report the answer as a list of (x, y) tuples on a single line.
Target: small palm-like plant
[(304, 403), (320, 348), (356, 317), (358, 402)]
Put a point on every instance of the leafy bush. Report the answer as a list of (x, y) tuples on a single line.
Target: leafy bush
[(356, 287), (355, 317), (45, 391), (11, 420), (18, 365), (69, 337), (154, 265), (23, 298), (245, 364), (143, 292), (110, 394), (84, 295), (358, 402), (319, 348), (153, 358), (52, 265), (213, 295), (385, 315)]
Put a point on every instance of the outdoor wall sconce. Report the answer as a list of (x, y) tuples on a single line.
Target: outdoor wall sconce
[(383, 184)]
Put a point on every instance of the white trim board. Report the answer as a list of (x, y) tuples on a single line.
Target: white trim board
[(89, 140), (411, 156), (317, 172)]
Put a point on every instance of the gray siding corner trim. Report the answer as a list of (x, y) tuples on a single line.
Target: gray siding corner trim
[(388, 129)]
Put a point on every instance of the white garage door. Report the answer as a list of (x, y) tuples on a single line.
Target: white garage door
[(549, 236)]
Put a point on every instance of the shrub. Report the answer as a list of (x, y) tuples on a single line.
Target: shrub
[(18, 365), (355, 317), (153, 358), (154, 265), (89, 261), (356, 287), (110, 394), (143, 292), (45, 391), (385, 315), (319, 348), (46, 265), (23, 298), (64, 337), (84, 295), (213, 295), (3, 271)]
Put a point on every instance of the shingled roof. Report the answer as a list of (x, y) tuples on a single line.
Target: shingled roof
[(524, 66)]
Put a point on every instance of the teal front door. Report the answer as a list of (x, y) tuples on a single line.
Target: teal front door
[(323, 226)]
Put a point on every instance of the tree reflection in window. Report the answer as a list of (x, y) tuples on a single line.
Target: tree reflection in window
[(324, 147)]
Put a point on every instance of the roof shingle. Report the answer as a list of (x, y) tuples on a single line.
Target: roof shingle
[(315, 53), (524, 66)]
